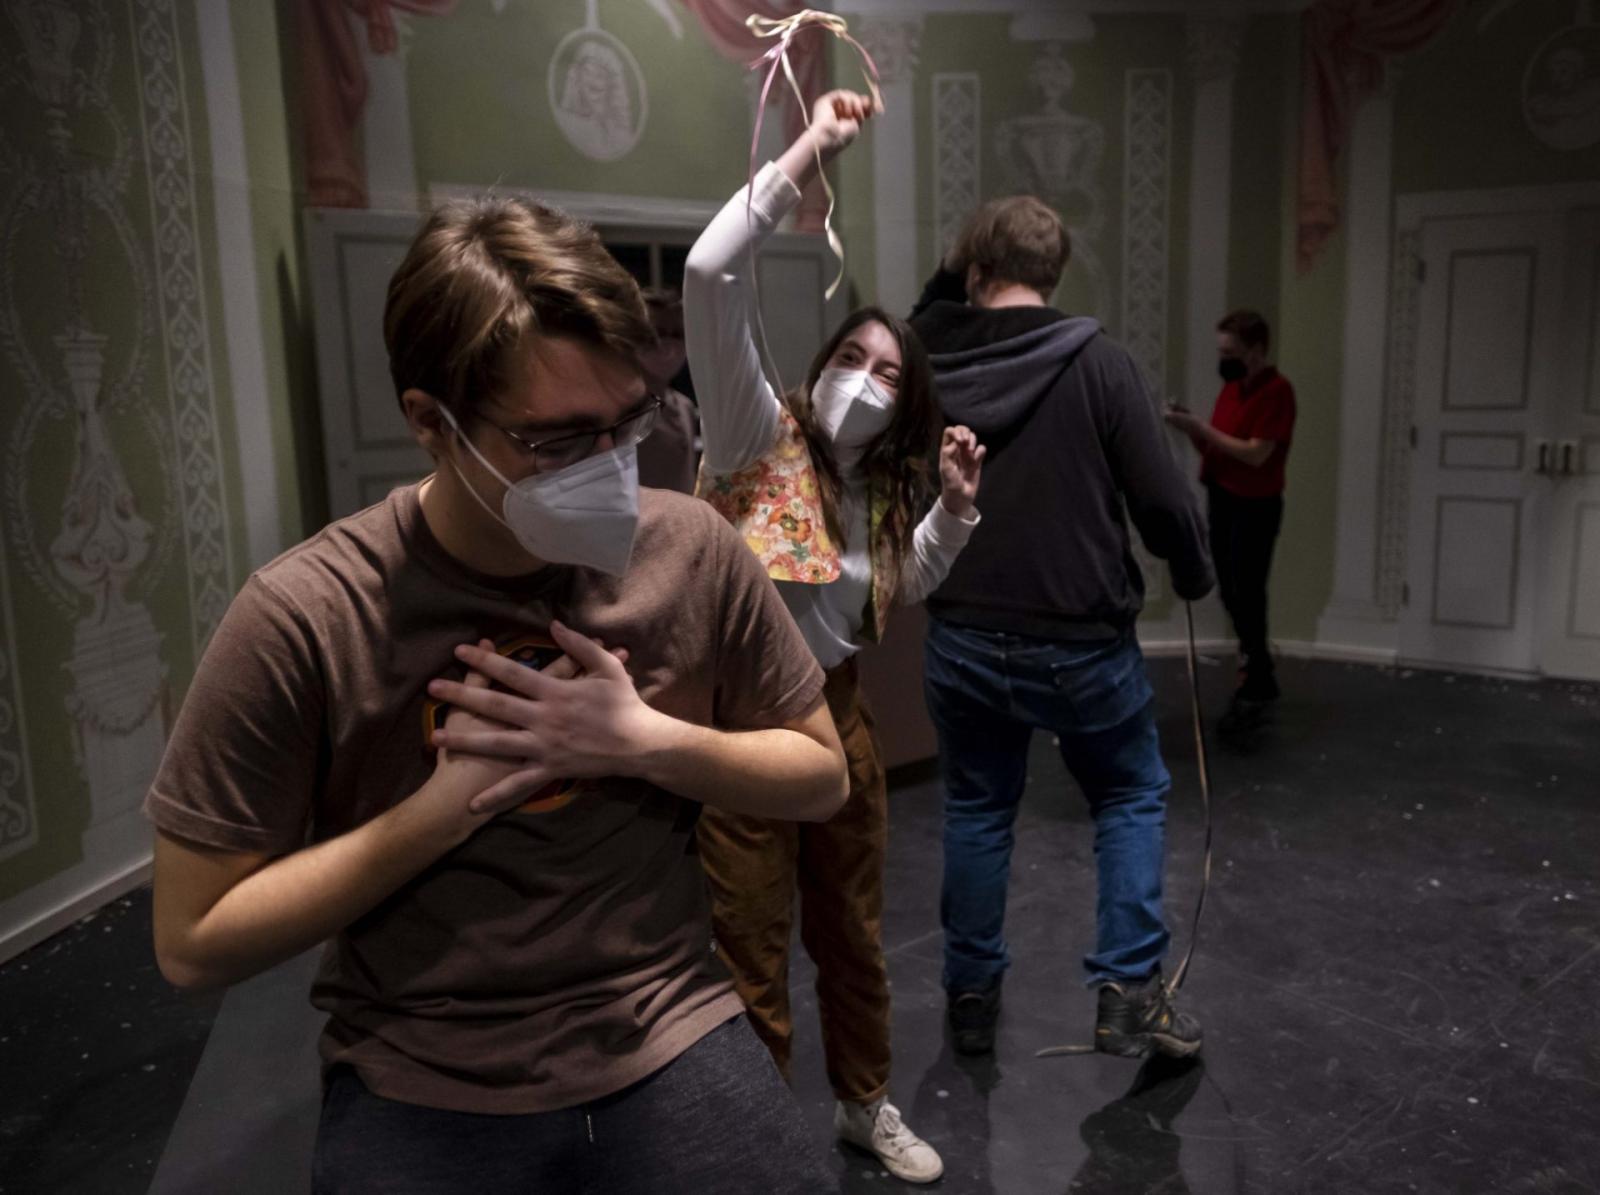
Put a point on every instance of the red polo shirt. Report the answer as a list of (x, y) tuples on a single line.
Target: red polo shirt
[(1258, 408)]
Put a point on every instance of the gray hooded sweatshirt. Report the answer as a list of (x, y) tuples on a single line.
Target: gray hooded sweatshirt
[(1076, 448)]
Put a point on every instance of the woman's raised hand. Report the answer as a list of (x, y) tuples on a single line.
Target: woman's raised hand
[(960, 469), (837, 117)]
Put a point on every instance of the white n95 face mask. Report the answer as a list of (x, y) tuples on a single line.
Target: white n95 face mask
[(851, 407), (585, 514)]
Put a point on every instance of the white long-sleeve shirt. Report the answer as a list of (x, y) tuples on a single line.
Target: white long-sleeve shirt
[(739, 412)]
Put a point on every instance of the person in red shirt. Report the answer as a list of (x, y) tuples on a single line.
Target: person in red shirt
[(1243, 450)]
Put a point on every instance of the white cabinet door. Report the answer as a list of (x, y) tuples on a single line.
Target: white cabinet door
[(368, 447), (1489, 347), (793, 271)]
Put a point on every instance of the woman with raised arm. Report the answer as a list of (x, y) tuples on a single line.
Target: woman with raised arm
[(833, 486)]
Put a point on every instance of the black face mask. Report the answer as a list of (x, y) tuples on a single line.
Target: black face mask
[(1232, 369)]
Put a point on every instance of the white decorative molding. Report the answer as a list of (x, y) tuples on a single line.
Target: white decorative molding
[(893, 42), (1147, 187), (103, 544), (1211, 46), (118, 676), (241, 314), (185, 326), (1057, 154), (45, 910), (1146, 213), (597, 91), (957, 167), (106, 558), (1221, 650), (1561, 87), (1413, 207), (596, 207)]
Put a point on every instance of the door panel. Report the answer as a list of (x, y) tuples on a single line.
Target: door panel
[(1488, 340), (1477, 550), (367, 446), (1488, 317)]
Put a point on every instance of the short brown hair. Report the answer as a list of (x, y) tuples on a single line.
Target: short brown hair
[(1017, 239), (1249, 326), (485, 274)]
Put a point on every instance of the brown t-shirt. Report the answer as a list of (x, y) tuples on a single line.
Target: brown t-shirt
[(562, 952)]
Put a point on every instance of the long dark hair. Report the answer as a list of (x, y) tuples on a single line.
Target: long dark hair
[(900, 462)]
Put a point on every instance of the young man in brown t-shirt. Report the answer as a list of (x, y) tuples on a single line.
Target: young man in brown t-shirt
[(465, 734)]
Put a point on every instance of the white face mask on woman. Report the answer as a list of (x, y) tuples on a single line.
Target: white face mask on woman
[(851, 408), (585, 514)]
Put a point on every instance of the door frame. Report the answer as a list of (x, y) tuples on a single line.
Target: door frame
[(1427, 634), (1411, 211), (1565, 649)]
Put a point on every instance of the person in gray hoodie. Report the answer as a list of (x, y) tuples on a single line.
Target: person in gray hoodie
[(1034, 627)]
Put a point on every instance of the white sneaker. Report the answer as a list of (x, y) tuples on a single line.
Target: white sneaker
[(878, 1129)]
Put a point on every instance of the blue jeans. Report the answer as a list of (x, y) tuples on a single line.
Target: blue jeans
[(987, 692)]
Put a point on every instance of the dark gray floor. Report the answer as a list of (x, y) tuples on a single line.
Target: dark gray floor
[(1398, 976)]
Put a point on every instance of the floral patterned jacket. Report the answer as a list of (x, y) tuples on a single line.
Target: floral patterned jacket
[(776, 506)]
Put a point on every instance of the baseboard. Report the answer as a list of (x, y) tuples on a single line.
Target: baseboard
[(41, 925), (1163, 648), (1299, 649), (1303, 649)]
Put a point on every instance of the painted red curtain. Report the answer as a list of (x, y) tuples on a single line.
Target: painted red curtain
[(1344, 47), (333, 87), (723, 22)]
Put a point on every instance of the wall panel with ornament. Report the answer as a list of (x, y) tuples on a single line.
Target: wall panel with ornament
[(125, 530)]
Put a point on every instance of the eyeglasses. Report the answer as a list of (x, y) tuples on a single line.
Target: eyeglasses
[(560, 451)]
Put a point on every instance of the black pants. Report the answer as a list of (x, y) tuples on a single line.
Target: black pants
[(1243, 532), (716, 1121)]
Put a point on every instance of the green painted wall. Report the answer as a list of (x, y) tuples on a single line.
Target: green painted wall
[(1259, 162), (1459, 121), (129, 225), (481, 112), (1309, 349), (270, 134)]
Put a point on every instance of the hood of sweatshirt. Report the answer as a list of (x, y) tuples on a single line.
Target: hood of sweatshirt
[(994, 386)]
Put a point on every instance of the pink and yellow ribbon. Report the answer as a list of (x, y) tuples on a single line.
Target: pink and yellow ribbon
[(784, 30)]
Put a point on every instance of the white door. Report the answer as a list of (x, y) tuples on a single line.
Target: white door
[(793, 270), (368, 449), (1571, 644), (1489, 348)]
